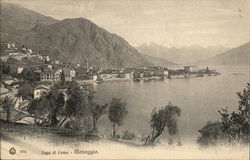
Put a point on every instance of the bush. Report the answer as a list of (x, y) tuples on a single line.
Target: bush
[(128, 135), (170, 141), (179, 143), (118, 136), (26, 91), (29, 75), (211, 134), (233, 127)]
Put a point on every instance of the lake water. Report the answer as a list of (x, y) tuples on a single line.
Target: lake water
[(199, 98)]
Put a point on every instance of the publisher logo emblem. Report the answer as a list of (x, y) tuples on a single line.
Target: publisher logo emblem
[(12, 151)]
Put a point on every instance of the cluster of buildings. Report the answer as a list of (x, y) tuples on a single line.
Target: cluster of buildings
[(52, 70), (19, 58), (191, 71), (8, 46), (83, 74)]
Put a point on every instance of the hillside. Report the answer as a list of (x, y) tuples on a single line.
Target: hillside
[(16, 20), (183, 55), (235, 56), (76, 40), (71, 40)]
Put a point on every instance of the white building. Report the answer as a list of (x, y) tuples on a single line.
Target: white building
[(94, 77), (40, 90), (49, 66), (9, 45), (17, 69), (69, 74), (190, 68), (45, 58), (57, 62), (51, 75), (30, 51)]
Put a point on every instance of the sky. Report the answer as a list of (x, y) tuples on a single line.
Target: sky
[(171, 23)]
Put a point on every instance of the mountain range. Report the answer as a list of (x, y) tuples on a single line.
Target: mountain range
[(235, 56), (70, 40), (182, 55), (78, 39)]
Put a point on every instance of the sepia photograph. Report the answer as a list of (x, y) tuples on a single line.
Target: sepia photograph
[(125, 79)]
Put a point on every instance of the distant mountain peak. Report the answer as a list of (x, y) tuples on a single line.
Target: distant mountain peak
[(235, 56), (181, 55)]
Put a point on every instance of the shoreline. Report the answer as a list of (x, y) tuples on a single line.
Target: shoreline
[(153, 78)]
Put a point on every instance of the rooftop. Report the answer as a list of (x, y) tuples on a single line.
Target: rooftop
[(41, 87)]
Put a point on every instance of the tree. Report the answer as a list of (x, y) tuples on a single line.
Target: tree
[(7, 104), (128, 135), (63, 77), (211, 134), (30, 75), (233, 128), (236, 125), (117, 112), (5, 68), (165, 117), (26, 91), (40, 109), (76, 103), (97, 111), (56, 103)]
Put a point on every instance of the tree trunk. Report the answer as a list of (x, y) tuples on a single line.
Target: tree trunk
[(152, 133), (8, 116), (154, 137), (94, 124), (54, 120), (114, 131), (152, 140), (147, 140), (65, 118)]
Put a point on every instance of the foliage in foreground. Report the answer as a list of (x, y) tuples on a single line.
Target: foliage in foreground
[(117, 112), (79, 111), (127, 135), (7, 105), (233, 128), (165, 117), (97, 110)]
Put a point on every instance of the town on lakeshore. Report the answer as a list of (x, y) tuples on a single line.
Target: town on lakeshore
[(21, 58), (20, 63), (130, 79)]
